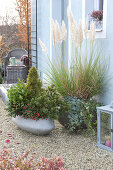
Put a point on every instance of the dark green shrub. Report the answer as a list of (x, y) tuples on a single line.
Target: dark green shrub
[(34, 83), (17, 98), (1, 79), (73, 119), (47, 104), (89, 113), (0, 68)]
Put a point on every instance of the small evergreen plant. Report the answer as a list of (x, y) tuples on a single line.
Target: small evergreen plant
[(34, 84)]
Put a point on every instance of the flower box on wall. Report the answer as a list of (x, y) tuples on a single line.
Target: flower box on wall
[(98, 24)]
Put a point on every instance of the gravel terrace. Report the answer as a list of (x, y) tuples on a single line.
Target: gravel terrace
[(78, 152)]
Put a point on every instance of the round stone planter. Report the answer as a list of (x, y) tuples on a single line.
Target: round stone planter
[(39, 127)]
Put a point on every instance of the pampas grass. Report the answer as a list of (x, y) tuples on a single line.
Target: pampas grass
[(85, 77)]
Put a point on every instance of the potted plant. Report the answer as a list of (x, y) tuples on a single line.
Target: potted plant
[(35, 109), (97, 17)]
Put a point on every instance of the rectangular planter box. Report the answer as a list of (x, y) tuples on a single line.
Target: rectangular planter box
[(16, 72)]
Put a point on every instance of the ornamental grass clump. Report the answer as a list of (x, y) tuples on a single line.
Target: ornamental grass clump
[(79, 76), (84, 73)]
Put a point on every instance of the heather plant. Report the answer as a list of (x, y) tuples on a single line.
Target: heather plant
[(97, 15), (84, 73), (34, 83), (10, 160)]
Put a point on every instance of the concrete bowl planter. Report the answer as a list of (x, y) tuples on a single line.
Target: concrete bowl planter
[(39, 127)]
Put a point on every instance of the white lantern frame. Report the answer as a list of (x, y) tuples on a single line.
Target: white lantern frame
[(109, 111)]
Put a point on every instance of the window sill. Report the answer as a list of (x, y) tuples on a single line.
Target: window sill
[(99, 30)]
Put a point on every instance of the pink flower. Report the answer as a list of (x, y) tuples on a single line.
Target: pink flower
[(44, 160), (25, 107), (62, 168), (59, 158), (38, 114), (7, 141), (17, 168)]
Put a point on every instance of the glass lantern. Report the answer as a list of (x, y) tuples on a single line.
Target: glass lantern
[(105, 127)]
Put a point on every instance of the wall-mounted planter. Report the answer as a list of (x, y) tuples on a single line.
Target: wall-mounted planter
[(39, 127)]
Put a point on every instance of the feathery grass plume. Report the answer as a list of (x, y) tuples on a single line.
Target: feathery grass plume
[(52, 23), (86, 29), (80, 34), (58, 35), (44, 48), (92, 32), (74, 32), (64, 31), (70, 16)]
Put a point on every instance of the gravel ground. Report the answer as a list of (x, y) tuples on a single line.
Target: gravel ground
[(78, 152)]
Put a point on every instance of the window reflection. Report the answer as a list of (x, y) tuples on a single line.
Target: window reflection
[(100, 4)]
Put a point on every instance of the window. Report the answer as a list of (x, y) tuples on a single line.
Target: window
[(91, 9), (100, 4)]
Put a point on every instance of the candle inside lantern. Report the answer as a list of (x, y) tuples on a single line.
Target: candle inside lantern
[(108, 143)]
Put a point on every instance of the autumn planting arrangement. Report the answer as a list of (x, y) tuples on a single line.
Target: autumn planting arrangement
[(32, 102), (10, 160), (80, 76)]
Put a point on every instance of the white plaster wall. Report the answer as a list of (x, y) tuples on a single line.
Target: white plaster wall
[(106, 44)]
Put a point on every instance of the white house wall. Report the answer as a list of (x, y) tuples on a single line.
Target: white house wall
[(105, 43), (107, 49)]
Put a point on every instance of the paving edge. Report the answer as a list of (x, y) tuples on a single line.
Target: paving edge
[(3, 94)]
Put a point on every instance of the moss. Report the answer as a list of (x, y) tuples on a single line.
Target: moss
[(34, 84)]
